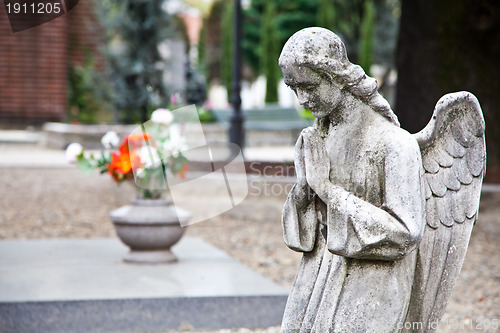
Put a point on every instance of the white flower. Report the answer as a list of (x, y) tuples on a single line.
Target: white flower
[(175, 143), (110, 140), (149, 156), (162, 116), (73, 151)]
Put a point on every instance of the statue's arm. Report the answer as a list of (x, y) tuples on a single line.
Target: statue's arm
[(359, 229)]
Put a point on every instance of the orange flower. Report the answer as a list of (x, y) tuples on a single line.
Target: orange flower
[(121, 164), (124, 164), (134, 141), (124, 146)]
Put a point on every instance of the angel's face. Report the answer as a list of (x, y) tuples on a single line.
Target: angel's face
[(314, 91)]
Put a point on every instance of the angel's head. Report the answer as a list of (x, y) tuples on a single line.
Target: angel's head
[(314, 63)]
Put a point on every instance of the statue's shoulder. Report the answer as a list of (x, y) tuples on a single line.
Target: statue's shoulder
[(393, 139)]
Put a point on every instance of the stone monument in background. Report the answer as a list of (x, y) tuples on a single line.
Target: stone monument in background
[(382, 216)]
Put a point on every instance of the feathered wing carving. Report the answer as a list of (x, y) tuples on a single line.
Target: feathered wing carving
[(454, 160)]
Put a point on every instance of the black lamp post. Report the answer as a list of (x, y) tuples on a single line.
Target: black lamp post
[(236, 133)]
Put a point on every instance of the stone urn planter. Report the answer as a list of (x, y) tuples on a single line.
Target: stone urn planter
[(150, 227)]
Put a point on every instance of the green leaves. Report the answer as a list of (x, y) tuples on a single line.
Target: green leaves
[(269, 58), (367, 36), (91, 162), (178, 164), (327, 15)]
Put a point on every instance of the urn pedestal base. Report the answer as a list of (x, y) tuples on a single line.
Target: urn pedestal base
[(150, 228), (150, 257)]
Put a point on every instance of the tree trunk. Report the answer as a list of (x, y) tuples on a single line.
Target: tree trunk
[(446, 46)]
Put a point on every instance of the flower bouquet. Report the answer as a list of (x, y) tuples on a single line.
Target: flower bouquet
[(147, 156)]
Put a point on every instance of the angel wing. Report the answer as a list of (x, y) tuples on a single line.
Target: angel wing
[(454, 160)]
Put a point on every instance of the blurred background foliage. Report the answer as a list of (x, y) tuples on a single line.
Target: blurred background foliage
[(88, 93), (133, 83), (134, 29), (368, 28)]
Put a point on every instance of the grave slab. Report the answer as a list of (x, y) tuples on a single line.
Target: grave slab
[(82, 285)]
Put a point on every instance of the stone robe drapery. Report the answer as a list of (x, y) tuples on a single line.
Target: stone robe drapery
[(359, 249)]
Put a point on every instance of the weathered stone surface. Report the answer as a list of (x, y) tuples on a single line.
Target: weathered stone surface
[(375, 209)]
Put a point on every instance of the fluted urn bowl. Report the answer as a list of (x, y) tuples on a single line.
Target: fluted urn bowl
[(150, 227)]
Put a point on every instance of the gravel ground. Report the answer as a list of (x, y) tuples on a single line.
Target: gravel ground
[(64, 203)]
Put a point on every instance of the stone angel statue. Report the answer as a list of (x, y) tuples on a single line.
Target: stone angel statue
[(383, 217)]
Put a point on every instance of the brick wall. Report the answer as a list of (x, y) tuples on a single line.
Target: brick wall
[(34, 63)]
